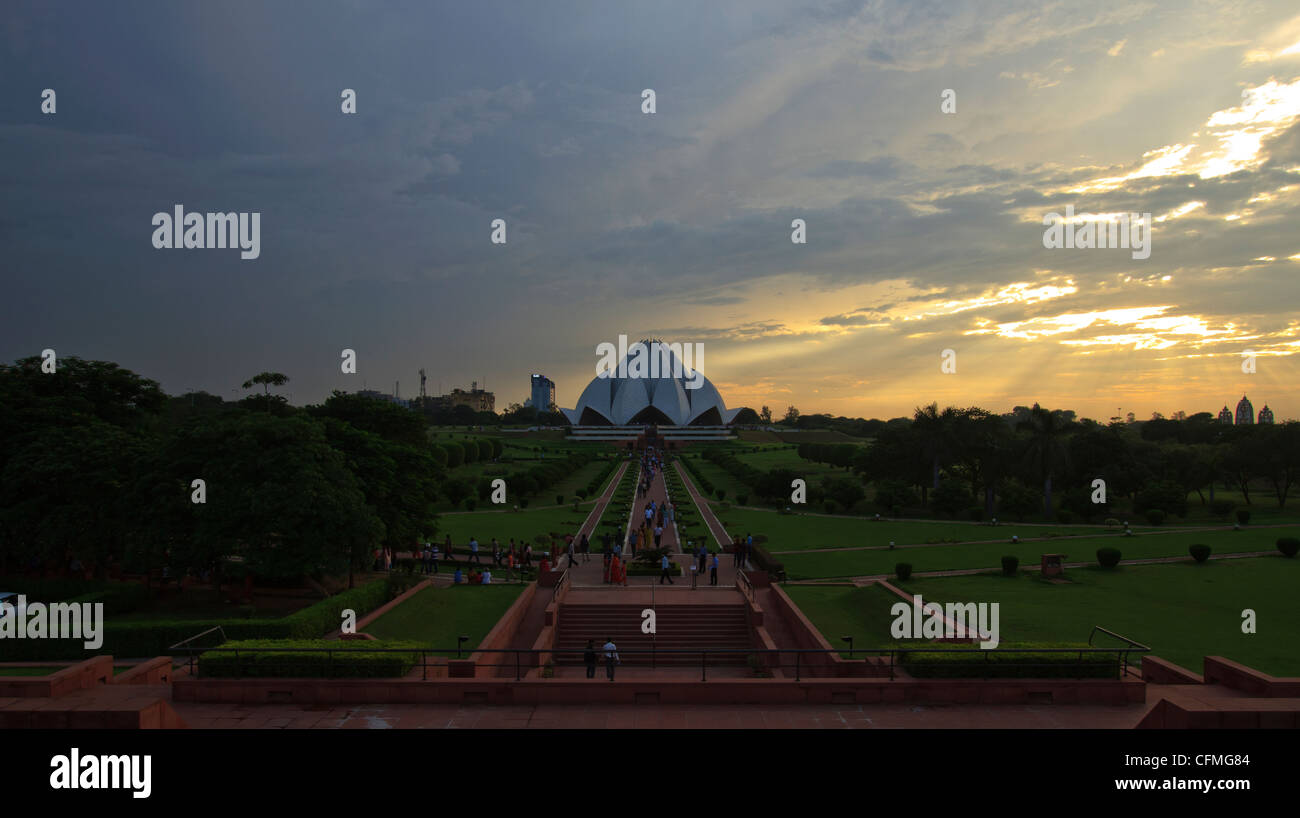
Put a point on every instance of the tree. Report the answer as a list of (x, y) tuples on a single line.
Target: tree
[(1046, 450), (935, 429), (765, 415), (267, 380), (280, 500), (791, 416)]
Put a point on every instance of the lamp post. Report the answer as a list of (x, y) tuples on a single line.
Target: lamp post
[(460, 640), (848, 639)]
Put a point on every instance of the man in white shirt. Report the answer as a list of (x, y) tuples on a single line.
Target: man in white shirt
[(611, 657), (473, 551)]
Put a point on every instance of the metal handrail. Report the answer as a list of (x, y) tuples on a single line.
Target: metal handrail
[(744, 584), (175, 647), (895, 655), (1141, 648)]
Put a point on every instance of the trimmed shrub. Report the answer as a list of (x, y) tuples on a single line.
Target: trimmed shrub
[(1155, 516), (1243, 515), (903, 570), (1288, 546), (559, 499), (1003, 664), (1108, 557), (1010, 564), (345, 659), (1199, 552), (1222, 508)]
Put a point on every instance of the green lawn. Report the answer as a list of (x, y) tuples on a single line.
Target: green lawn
[(796, 532), (839, 610), (1171, 543), (1183, 611), (436, 616)]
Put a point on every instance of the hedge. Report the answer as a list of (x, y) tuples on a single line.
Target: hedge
[(1288, 546), (327, 615), (155, 637), (345, 659), (1199, 552), (766, 562), (998, 663)]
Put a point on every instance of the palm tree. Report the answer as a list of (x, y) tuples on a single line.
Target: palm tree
[(936, 429), (1046, 450)]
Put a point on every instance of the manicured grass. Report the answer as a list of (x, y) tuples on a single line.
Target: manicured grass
[(719, 478), (523, 525), (30, 671), (1171, 543), (796, 532), (839, 610), (436, 616), (781, 457), (1183, 611)]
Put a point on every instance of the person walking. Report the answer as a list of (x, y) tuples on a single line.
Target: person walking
[(664, 562), (611, 657), (496, 553), (701, 554), (528, 555), (473, 551), (713, 569), (589, 658), (447, 550), (433, 558), (659, 535), (585, 547)]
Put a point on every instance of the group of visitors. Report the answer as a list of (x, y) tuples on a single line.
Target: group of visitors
[(741, 549), (610, 651)]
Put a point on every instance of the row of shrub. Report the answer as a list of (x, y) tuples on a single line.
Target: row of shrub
[(1109, 557), (593, 488), (307, 658), (155, 637), (1002, 663), (702, 483)]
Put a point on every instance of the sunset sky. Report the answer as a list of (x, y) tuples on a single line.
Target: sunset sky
[(924, 229)]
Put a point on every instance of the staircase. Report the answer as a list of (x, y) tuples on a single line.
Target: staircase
[(679, 626)]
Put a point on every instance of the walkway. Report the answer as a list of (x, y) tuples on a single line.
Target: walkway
[(591, 572), (706, 717)]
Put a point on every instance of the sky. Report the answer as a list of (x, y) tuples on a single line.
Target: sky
[(924, 228)]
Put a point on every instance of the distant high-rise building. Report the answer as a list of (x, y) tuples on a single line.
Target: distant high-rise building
[(542, 391), (1245, 412), (1225, 415), (1266, 415)]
